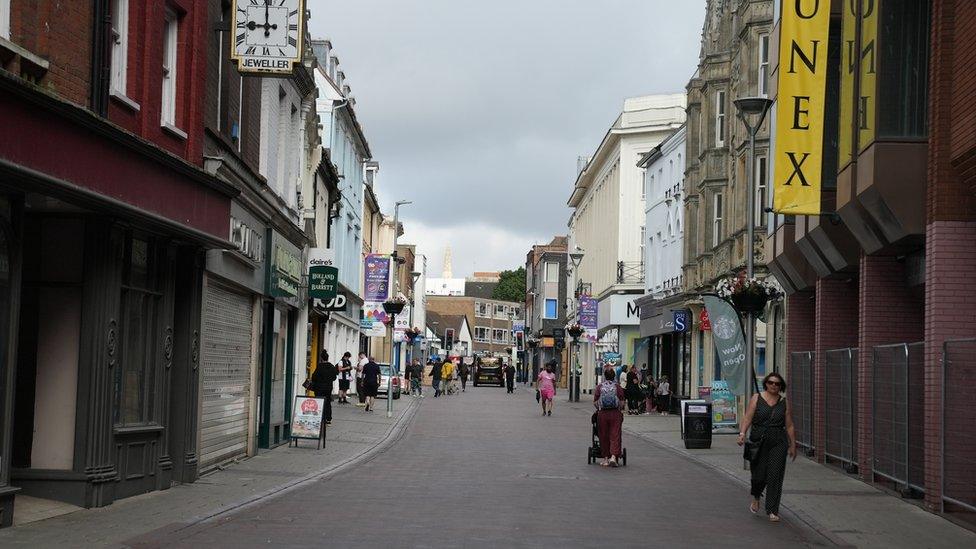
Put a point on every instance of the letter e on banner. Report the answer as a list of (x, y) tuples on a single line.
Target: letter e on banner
[(801, 106)]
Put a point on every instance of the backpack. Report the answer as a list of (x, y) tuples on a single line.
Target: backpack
[(608, 396)]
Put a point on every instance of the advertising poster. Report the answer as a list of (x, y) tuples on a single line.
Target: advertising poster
[(729, 342), (377, 278), (611, 359), (588, 310), (723, 405), (372, 323), (307, 417)]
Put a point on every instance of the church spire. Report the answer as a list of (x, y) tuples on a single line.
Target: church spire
[(447, 264)]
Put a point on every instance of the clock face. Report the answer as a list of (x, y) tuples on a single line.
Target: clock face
[(267, 34)]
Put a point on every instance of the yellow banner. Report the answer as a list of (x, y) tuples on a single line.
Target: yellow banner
[(801, 103), (869, 78), (848, 64)]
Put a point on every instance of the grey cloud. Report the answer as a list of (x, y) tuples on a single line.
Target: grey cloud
[(480, 109)]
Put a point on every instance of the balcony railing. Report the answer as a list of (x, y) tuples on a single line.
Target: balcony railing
[(630, 272)]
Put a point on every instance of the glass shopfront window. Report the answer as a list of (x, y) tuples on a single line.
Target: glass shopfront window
[(140, 307)]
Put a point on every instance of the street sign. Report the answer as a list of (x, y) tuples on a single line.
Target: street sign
[(706, 324)]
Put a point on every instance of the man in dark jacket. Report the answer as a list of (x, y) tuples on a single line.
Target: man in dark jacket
[(323, 378), (510, 378), (435, 372)]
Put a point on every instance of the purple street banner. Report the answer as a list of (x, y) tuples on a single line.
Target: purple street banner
[(377, 278), (588, 309)]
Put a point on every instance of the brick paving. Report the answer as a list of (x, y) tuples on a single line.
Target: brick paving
[(484, 469), (352, 437), (841, 507)]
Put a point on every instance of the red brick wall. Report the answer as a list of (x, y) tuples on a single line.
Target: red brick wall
[(800, 325), (950, 256), (836, 328), (61, 33), (889, 312), (145, 76)]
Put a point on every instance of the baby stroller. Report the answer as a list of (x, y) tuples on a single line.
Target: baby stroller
[(593, 452)]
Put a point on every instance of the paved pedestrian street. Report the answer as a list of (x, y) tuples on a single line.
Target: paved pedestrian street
[(484, 469)]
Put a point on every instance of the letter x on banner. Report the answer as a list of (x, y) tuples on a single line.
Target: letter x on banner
[(801, 106)]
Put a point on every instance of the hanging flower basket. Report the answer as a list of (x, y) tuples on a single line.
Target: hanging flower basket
[(395, 305), (575, 330), (748, 295)]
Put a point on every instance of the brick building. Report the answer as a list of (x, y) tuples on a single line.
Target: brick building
[(880, 299), (490, 321), (106, 212)]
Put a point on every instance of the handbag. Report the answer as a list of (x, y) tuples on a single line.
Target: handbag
[(307, 384), (750, 450)]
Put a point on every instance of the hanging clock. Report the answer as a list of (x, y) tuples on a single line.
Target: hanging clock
[(267, 35)]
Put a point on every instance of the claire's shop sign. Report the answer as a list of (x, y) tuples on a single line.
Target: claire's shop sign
[(323, 275)]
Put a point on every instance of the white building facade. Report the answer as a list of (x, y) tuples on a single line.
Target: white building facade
[(607, 226), (665, 322)]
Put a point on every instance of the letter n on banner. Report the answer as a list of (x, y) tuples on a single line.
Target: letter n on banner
[(801, 105)]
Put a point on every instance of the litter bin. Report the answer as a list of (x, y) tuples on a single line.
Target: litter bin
[(696, 423)]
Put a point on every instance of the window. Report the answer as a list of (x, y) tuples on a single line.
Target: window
[(643, 235), (501, 311), (170, 40), (135, 372), (499, 336), (716, 219), (481, 310), (550, 312), (517, 312), (552, 271), (701, 129), (481, 334), (763, 65), (120, 45), (644, 187), (720, 118), (762, 176), (5, 19)]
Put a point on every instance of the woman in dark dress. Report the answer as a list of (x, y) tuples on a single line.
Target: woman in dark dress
[(634, 393), (771, 419), (371, 383)]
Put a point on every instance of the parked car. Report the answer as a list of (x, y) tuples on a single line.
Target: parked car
[(385, 382)]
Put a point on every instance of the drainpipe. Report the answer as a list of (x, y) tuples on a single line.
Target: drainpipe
[(101, 59)]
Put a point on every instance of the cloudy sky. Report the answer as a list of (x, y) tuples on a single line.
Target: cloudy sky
[(477, 111)]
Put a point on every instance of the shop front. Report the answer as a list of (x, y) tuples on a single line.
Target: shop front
[(102, 245), (665, 329), (232, 297), (282, 312)]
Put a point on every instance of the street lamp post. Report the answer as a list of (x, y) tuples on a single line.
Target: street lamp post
[(396, 289), (574, 376), (752, 111)]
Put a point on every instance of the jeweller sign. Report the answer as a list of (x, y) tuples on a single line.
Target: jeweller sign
[(267, 35)]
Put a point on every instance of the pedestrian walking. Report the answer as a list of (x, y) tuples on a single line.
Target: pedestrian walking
[(608, 399), (650, 393), (435, 374), (634, 393), (371, 383), (547, 388), (447, 375), (415, 372), (360, 392), (510, 378), (323, 378), (463, 371), (769, 425), (664, 396), (345, 376)]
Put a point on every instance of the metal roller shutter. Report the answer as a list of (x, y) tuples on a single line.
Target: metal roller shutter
[(226, 361)]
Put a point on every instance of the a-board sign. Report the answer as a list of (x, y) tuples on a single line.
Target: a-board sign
[(307, 418)]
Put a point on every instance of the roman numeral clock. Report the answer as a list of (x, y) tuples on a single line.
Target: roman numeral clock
[(267, 35)]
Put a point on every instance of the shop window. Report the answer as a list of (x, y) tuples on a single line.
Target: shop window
[(135, 373)]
